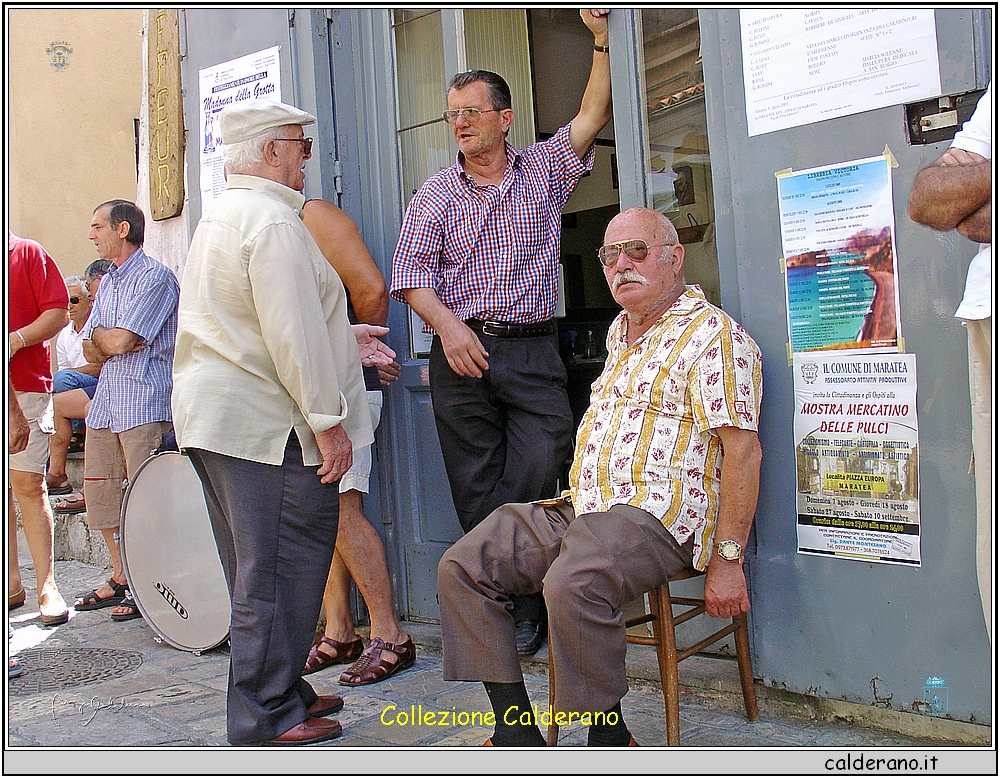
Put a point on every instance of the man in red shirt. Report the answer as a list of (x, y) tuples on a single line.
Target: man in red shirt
[(38, 305)]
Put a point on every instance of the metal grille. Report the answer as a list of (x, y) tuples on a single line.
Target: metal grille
[(54, 669)]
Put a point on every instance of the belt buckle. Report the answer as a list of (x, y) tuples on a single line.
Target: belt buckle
[(495, 329)]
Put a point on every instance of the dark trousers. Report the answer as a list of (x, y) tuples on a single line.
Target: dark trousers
[(276, 528), (504, 437), (588, 566)]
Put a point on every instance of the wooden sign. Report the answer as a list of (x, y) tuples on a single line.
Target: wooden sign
[(166, 116)]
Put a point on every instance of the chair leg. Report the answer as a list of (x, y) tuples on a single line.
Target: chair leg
[(743, 661), (552, 736), (666, 656)]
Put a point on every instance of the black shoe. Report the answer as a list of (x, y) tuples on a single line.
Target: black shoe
[(528, 636)]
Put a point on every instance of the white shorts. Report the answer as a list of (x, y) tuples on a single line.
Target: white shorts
[(37, 409), (360, 473)]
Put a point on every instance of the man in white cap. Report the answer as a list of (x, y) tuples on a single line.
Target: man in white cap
[(269, 403)]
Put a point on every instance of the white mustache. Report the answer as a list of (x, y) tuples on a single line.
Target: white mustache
[(626, 276)]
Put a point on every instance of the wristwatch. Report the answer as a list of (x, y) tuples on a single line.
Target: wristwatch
[(729, 550)]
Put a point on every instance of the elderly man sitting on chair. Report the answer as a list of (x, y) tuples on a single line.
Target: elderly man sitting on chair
[(664, 478)]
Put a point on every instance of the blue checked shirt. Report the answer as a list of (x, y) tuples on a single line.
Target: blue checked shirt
[(491, 252), (134, 388)]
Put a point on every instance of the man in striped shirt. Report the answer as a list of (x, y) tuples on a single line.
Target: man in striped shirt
[(664, 478), (130, 331), (478, 260)]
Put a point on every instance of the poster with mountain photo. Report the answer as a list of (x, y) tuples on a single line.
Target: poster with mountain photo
[(838, 245)]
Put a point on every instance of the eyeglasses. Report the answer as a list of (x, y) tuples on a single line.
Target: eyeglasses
[(471, 115), (74, 300), (636, 250), (307, 144)]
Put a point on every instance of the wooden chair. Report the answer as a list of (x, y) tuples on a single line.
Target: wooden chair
[(660, 602)]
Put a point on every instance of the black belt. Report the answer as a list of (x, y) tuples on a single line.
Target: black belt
[(507, 329)]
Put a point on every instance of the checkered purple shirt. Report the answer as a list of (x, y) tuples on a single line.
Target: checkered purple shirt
[(141, 297), (491, 252)]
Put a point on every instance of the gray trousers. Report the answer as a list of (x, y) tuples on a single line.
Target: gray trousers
[(276, 528), (587, 567)]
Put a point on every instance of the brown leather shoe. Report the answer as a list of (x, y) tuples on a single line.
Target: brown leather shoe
[(373, 666), (325, 705), (337, 653), (310, 731)]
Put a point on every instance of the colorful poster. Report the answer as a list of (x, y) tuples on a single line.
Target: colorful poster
[(856, 456), (838, 244), (251, 77), (804, 65)]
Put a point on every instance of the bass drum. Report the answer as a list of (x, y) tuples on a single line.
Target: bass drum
[(171, 560)]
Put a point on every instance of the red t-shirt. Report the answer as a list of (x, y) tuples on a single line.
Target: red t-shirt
[(36, 285)]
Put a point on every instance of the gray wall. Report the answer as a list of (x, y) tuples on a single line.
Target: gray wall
[(835, 627)]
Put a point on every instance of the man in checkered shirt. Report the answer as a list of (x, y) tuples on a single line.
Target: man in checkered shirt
[(131, 331), (478, 260)]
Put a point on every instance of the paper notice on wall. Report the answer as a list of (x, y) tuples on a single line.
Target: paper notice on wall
[(856, 456), (804, 65), (838, 243), (251, 77)]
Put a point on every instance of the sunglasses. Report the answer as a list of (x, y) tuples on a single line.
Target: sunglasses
[(307, 144), (74, 300), (636, 250)]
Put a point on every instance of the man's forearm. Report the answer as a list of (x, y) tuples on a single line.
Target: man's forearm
[(738, 487), (979, 226), (45, 327), (113, 342), (945, 195), (429, 307), (595, 108)]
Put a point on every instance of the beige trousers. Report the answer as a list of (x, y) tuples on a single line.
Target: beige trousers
[(981, 392)]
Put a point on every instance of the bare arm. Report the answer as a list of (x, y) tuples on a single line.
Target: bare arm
[(17, 423), (461, 345), (595, 108), (952, 189), (340, 241), (337, 452), (725, 585), (979, 226), (46, 326), (112, 342)]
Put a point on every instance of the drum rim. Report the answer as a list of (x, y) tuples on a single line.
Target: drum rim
[(128, 577)]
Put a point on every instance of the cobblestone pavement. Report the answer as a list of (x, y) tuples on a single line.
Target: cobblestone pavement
[(95, 683)]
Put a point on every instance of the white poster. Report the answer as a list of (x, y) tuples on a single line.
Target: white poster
[(251, 77), (856, 456), (804, 65)]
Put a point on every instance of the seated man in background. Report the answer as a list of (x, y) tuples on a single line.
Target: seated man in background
[(664, 478), (73, 373)]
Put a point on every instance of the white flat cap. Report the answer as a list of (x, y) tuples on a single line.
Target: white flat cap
[(247, 120)]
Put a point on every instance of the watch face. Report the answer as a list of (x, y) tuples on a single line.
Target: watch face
[(729, 550)]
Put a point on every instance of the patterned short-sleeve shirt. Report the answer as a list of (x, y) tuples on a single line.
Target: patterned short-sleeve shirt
[(491, 252), (648, 438)]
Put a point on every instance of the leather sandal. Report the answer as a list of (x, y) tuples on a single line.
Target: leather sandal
[(342, 652), (372, 666), (59, 485), (92, 601), (131, 613), (71, 503)]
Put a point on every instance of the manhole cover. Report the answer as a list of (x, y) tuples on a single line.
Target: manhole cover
[(52, 669)]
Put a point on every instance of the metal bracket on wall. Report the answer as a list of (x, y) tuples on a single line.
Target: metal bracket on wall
[(938, 119)]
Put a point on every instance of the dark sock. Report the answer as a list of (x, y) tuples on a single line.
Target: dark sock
[(608, 733), (510, 704)]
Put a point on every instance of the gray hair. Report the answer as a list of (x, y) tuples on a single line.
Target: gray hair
[(79, 281), (248, 154), (96, 269)]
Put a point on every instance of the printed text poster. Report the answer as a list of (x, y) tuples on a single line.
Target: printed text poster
[(801, 66), (252, 77), (838, 242), (856, 456)]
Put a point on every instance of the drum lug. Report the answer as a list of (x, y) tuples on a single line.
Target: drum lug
[(196, 653), (158, 639)]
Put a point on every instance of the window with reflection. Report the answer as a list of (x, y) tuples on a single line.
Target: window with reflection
[(678, 164)]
